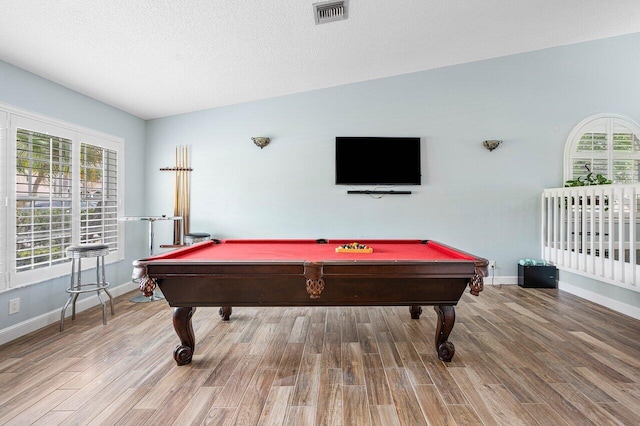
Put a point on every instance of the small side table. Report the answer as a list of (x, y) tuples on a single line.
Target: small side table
[(151, 220)]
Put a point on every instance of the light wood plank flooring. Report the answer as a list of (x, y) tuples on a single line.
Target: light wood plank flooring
[(523, 356)]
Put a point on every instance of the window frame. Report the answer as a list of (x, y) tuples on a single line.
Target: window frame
[(105, 145), (19, 122), (15, 119), (587, 125), (4, 177)]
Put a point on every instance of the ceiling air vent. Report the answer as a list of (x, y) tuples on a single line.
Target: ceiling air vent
[(329, 11)]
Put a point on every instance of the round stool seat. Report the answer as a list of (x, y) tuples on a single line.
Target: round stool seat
[(195, 237), (87, 250)]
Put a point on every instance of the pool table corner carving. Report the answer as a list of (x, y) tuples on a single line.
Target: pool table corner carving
[(146, 284), (476, 284)]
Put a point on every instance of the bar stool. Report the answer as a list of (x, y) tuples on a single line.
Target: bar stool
[(79, 252), (196, 237)]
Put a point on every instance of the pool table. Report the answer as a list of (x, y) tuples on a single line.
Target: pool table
[(227, 273)]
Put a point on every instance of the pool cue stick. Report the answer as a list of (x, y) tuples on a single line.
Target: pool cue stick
[(180, 175), (185, 190), (188, 189), (179, 181), (182, 212), (179, 185), (176, 203)]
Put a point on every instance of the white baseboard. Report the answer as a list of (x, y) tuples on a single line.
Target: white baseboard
[(500, 280), (13, 332), (616, 305)]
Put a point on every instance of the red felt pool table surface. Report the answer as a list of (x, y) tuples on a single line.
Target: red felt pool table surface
[(311, 250)]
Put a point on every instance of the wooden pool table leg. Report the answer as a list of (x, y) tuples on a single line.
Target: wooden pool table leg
[(225, 312), (184, 329), (446, 319), (415, 310)]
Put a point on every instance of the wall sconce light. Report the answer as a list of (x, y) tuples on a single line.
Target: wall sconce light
[(491, 144), (261, 141)]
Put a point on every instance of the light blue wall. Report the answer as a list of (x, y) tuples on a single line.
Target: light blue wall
[(483, 202), (26, 91)]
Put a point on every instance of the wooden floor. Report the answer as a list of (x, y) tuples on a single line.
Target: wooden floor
[(523, 356)]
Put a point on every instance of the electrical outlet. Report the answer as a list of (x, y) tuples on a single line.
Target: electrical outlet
[(492, 264), (14, 306)]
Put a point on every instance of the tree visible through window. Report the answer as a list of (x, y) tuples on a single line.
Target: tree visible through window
[(43, 199)]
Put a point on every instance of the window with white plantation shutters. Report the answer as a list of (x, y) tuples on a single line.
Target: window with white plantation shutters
[(607, 145), (43, 199), (99, 195), (63, 186)]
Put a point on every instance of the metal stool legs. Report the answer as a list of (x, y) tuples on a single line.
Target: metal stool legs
[(77, 287)]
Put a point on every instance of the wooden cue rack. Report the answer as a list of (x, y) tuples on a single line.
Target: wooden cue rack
[(182, 194)]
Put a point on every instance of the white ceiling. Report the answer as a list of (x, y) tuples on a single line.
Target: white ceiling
[(155, 58)]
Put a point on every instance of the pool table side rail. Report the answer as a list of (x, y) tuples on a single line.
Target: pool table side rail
[(282, 283)]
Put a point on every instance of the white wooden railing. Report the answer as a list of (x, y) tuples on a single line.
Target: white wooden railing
[(593, 231)]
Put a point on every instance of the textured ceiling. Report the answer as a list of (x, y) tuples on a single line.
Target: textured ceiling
[(155, 58)]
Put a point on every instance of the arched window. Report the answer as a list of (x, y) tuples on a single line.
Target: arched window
[(604, 144)]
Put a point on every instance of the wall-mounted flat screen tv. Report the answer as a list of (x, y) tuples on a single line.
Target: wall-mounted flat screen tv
[(377, 161)]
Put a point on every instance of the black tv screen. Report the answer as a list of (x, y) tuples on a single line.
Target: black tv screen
[(377, 161)]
